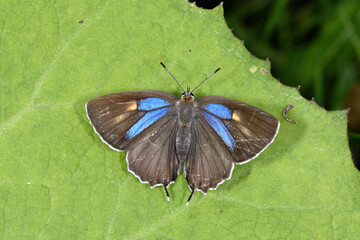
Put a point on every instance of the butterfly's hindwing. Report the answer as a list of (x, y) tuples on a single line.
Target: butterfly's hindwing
[(209, 160), (153, 158)]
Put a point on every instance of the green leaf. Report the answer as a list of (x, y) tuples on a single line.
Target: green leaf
[(58, 180)]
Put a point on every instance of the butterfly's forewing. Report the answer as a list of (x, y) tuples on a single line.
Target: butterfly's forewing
[(226, 132), (142, 123)]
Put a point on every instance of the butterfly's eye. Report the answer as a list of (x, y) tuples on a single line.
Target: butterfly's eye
[(191, 94), (183, 93)]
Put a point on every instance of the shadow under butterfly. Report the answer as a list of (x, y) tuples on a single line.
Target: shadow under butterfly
[(162, 133)]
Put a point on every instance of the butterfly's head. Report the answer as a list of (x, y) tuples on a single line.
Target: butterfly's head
[(188, 95)]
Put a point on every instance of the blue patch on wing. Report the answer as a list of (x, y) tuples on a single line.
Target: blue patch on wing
[(144, 122), (149, 104), (219, 110), (220, 129)]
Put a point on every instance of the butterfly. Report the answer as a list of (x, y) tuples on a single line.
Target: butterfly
[(163, 134)]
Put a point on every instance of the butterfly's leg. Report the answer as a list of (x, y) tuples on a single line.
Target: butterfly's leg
[(167, 193), (191, 194)]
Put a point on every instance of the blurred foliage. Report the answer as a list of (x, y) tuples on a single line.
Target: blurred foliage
[(314, 44)]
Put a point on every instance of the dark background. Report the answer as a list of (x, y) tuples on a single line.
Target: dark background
[(314, 44)]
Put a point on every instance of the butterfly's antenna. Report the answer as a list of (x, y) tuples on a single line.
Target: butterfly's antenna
[(171, 75), (206, 78)]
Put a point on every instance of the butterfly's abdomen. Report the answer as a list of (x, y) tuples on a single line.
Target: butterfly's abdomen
[(186, 113)]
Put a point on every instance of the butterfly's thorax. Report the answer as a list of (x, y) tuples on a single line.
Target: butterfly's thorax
[(187, 110)]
